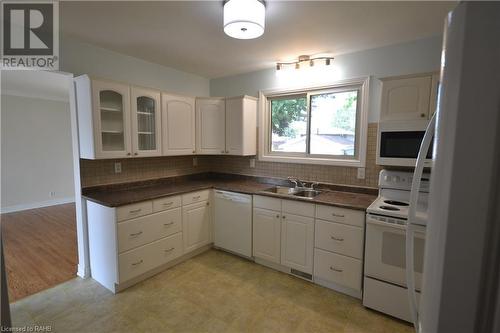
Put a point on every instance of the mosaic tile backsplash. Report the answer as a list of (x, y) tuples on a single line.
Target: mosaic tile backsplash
[(101, 172)]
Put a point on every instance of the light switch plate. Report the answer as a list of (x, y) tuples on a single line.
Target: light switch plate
[(252, 163), (361, 173), (118, 167), (195, 161)]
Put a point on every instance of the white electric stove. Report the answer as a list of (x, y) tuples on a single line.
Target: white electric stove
[(385, 268)]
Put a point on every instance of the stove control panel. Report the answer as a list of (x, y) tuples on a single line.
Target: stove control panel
[(401, 180)]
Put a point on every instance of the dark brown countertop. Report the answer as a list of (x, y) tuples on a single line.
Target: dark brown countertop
[(128, 193)]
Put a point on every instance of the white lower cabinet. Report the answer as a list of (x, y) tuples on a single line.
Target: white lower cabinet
[(142, 259), (196, 225), (283, 232), (132, 242), (266, 234), (297, 242), (342, 270)]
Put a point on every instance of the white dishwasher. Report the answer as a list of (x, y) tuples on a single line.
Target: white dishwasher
[(233, 222)]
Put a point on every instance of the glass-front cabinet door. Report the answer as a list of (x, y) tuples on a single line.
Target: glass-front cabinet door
[(111, 119), (146, 123)]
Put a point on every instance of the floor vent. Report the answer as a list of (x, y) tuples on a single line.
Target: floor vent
[(301, 274)]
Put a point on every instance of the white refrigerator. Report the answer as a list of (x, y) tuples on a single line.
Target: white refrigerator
[(461, 281)]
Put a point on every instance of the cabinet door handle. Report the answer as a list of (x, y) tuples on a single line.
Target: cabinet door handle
[(137, 263), (197, 197), (283, 217), (136, 234), (222, 151), (208, 203), (227, 151), (336, 269), (167, 224), (128, 154), (337, 239), (135, 211), (166, 204), (170, 250), (422, 115), (338, 215), (277, 216), (136, 154), (194, 151)]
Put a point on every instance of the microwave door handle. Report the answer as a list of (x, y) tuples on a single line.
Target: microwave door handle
[(410, 228)]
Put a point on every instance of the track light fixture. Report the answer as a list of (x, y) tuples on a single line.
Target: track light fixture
[(304, 59)]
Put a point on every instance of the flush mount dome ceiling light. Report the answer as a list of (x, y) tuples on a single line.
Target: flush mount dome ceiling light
[(244, 19)]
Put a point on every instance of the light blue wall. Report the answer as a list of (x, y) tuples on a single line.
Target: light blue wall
[(407, 58), (81, 58)]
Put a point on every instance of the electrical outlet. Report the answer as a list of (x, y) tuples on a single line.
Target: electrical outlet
[(118, 167), (252, 163), (195, 161), (52, 194), (361, 173)]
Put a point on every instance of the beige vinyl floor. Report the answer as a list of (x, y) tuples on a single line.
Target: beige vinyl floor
[(213, 292)]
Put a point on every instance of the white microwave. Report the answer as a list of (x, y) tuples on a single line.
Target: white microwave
[(398, 143)]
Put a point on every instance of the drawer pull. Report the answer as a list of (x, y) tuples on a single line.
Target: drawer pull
[(277, 216), (135, 211), (136, 234), (336, 269), (167, 224), (166, 204), (338, 215), (197, 197), (137, 263), (170, 250), (337, 239)]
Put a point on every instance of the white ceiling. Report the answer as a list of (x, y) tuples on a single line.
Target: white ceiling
[(188, 35), (36, 84)]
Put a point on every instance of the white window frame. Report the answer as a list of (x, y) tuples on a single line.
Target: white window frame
[(359, 161)]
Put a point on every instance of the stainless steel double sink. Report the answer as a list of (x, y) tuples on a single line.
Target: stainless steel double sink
[(303, 192)]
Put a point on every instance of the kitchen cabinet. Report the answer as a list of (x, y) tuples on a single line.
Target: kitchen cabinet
[(226, 126), (210, 126), (116, 120), (297, 242), (178, 124), (146, 123), (104, 118), (241, 126), (434, 93), (410, 97), (196, 225), (338, 248), (267, 235), (284, 232)]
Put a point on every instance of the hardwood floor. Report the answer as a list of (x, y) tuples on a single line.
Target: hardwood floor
[(40, 248)]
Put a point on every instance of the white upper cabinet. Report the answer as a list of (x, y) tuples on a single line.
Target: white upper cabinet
[(146, 123), (210, 126), (241, 126), (178, 125), (104, 118), (406, 98)]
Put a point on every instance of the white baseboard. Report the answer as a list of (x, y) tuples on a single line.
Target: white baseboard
[(17, 208)]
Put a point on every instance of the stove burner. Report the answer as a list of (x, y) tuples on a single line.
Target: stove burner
[(395, 203), (388, 208)]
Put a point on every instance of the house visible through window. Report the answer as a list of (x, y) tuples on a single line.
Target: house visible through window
[(316, 126)]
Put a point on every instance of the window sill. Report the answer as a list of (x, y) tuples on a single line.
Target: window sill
[(313, 160)]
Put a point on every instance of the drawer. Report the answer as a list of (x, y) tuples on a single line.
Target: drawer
[(338, 269), (298, 208), (143, 230), (135, 210), (339, 238), (166, 203), (142, 259), (195, 197), (341, 215), (267, 203)]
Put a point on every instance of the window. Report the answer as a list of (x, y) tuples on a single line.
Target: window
[(320, 126)]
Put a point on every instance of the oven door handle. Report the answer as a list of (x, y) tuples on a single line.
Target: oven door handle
[(385, 224)]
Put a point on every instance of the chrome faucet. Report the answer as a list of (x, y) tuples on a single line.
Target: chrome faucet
[(296, 181)]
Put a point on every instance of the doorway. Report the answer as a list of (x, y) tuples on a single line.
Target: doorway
[(39, 202)]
